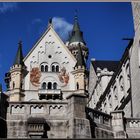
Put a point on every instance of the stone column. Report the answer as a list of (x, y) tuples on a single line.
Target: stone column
[(118, 124), (78, 126)]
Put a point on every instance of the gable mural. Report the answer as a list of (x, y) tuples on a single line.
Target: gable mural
[(64, 77), (35, 75)]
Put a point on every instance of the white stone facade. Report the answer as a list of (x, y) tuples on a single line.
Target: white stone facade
[(50, 96), (119, 89)]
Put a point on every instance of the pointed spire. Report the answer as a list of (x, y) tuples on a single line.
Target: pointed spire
[(76, 26), (80, 57), (19, 55), (77, 34)]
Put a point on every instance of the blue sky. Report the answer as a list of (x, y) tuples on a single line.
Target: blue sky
[(104, 24)]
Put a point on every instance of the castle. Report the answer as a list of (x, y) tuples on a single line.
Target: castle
[(51, 94)]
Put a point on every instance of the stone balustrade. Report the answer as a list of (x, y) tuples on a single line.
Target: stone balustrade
[(132, 122), (50, 94), (39, 108), (49, 91), (99, 117)]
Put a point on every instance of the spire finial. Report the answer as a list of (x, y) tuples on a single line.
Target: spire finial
[(19, 55), (50, 22), (20, 43), (76, 15)]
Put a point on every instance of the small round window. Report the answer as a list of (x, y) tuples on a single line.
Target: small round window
[(49, 56)]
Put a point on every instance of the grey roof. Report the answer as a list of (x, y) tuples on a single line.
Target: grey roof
[(80, 57), (76, 35), (110, 65), (19, 55)]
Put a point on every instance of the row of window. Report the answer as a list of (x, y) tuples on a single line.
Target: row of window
[(54, 68), (49, 85), (118, 91)]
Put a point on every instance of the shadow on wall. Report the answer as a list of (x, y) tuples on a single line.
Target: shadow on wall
[(92, 126), (3, 128), (46, 129), (3, 112)]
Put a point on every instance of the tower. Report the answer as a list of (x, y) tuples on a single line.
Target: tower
[(80, 70), (78, 48), (76, 37), (16, 74)]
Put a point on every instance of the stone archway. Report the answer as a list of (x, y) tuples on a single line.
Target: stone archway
[(37, 127)]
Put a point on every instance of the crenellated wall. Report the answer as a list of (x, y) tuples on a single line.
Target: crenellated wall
[(49, 119), (54, 113)]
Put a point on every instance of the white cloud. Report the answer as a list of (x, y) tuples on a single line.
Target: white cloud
[(7, 6), (62, 27)]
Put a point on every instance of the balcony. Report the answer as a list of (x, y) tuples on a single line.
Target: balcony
[(50, 94)]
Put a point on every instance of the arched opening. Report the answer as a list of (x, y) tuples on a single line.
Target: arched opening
[(21, 84), (13, 85), (46, 68), (53, 68), (49, 85), (42, 68), (77, 85), (57, 68), (54, 85), (121, 82), (115, 93), (44, 85), (33, 126), (128, 76)]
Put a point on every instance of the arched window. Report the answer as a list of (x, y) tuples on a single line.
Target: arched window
[(53, 68), (46, 68), (43, 85), (21, 84), (77, 85), (54, 85), (121, 82), (13, 85), (110, 101), (115, 93), (42, 68), (57, 68), (128, 72), (49, 85)]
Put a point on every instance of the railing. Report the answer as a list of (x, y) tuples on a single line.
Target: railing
[(49, 91), (133, 123), (98, 117), (35, 127)]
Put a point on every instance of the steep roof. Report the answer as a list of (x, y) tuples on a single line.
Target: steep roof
[(110, 65), (77, 35), (50, 28), (80, 57), (19, 55)]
